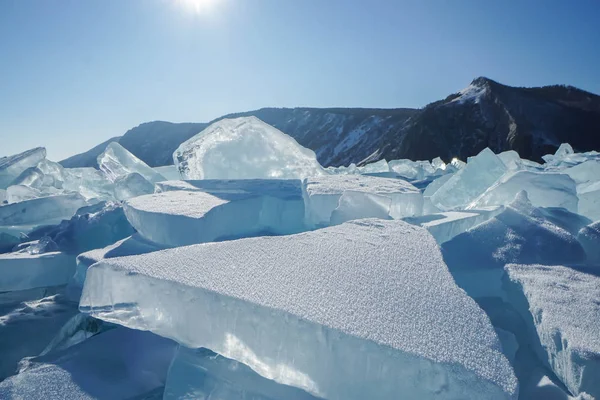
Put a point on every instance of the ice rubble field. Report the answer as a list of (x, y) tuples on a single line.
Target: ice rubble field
[(248, 271)]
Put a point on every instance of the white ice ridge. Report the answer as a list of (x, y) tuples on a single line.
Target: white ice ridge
[(50, 210), (366, 309), (323, 195), (562, 308), (244, 148), (212, 210)]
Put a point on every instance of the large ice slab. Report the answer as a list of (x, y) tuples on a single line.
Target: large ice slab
[(323, 195), (218, 210), (116, 364), (560, 305), (21, 270), (45, 210), (244, 148), (366, 309), (117, 162), (12, 166), (543, 190), (202, 374), (481, 172)]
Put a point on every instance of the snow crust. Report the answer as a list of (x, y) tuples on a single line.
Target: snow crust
[(561, 304)]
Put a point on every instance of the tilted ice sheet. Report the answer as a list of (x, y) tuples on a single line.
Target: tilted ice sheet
[(177, 218), (323, 194), (543, 190), (12, 166), (366, 309), (481, 172), (561, 305), (244, 148), (445, 226), (36, 211), (116, 162)]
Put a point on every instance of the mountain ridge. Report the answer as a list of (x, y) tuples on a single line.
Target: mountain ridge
[(530, 120)]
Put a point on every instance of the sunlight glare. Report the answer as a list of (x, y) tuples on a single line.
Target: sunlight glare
[(198, 6)]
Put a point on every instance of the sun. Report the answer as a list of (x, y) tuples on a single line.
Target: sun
[(198, 6)]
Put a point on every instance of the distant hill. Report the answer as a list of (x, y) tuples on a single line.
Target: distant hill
[(532, 121)]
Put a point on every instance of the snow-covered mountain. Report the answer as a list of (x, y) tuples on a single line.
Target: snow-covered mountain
[(532, 121)]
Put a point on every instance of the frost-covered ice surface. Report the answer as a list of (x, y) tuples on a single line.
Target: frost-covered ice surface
[(116, 364), (177, 218), (481, 172), (116, 162), (323, 195), (521, 233), (562, 306), (243, 148), (303, 310)]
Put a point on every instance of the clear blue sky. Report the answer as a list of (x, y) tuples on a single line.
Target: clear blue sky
[(76, 72)]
